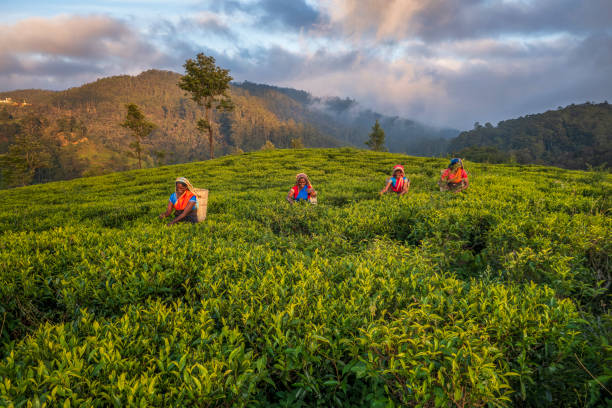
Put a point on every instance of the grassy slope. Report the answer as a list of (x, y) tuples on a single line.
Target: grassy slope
[(482, 297)]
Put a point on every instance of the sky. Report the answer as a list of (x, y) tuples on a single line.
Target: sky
[(441, 62)]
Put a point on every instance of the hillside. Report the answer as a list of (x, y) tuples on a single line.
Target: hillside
[(573, 137), (77, 130), (494, 297), (347, 121)]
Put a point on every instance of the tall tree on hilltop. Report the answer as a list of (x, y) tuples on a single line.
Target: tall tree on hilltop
[(140, 127), (377, 138), (208, 85)]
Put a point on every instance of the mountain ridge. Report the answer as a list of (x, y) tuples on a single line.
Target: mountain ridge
[(575, 137), (78, 128)]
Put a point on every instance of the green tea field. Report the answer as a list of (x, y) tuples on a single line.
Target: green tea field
[(495, 297)]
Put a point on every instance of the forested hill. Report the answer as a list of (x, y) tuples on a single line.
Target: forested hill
[(76, 132), (574, 137), (347, 121), (78, 129)]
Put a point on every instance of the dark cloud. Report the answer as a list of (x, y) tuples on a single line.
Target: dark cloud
[(294, 14), (276, 65), (502, 90), (461, 19), (9, 64), (277, 14)]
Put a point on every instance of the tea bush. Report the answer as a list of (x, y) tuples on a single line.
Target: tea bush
[(498, 296)]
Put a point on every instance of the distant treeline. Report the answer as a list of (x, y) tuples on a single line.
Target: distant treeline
[(574, 137)]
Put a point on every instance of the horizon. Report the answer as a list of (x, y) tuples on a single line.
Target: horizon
[(447, 64), (357, 104)]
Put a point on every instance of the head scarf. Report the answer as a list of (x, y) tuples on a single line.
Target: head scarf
[(399, 185), (186, 182), (299, 176), (455, 161), (398, 167), (456, 176)]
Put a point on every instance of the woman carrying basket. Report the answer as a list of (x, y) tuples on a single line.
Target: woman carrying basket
[(183, 201)]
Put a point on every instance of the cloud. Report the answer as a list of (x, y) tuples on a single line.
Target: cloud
[(276, 64), (460, 19), (293, 15), (497, 81), (71, 36), (208, 23), (339, 105), (447, 62), (58, 50)]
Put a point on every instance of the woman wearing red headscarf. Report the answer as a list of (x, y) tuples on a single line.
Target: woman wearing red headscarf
[(397, 183)]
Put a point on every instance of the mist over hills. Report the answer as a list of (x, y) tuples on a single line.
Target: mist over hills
[(79, 127), (346, 120)]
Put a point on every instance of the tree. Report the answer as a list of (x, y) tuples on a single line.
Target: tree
[(208, 85), (268, 146), (377, 138), (140, 127), (297, 143), (26, 155)]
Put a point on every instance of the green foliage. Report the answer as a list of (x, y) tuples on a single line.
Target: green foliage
[(486, 154), (485, 298), (376, 139), (209, 87), (26, 155), (574, 137), (140, 127), (268, 146), (297, 143)]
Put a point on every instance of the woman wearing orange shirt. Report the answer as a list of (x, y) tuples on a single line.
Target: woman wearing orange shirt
[(184, 203), (454, 178)]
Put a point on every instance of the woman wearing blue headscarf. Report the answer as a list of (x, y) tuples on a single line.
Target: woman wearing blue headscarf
[(454, 178)]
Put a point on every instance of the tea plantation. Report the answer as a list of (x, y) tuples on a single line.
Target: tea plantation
[(495, 297)]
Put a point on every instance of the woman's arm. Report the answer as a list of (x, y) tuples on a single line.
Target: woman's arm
[(406, 187), (384, 190), (185, 213), (168, 211), (290, 196), (312, 192)]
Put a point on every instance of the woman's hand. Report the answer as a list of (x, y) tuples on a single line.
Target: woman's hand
[(384, 190), (168, 211)]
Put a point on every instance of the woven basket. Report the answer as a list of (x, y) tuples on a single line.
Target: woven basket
[(202, 197)]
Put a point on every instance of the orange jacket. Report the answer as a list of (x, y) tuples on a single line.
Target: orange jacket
[(182, 201)]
